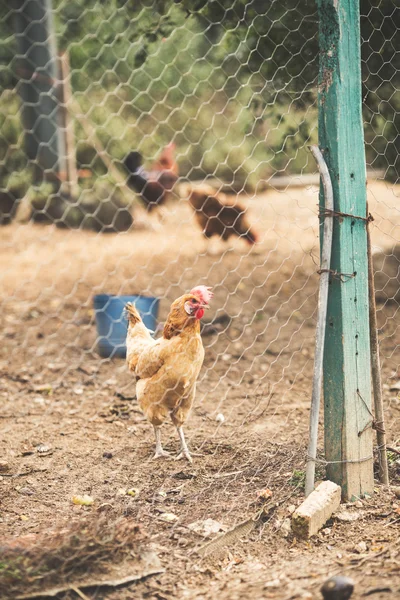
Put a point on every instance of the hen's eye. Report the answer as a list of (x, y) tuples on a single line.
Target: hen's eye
[(195, 301)]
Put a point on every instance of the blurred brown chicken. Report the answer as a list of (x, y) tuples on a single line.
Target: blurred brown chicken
[(154, 184), (219, 215)]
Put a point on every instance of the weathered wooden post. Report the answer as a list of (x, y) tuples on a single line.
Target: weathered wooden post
[(38, 87), (71, 174), (347, 374)]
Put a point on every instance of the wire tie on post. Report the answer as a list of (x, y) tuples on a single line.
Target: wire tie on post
[(326, 212), (336, 274), (377, 426), (369, 425), (340, 462), (365, 404)]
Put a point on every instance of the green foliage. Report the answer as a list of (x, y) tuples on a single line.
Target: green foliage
[(15, 174), (380, 23), (195, 88), (392, 457), (298, 479), (234, 84)]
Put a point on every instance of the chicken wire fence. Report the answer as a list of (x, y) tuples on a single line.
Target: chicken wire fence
[(233, 86)]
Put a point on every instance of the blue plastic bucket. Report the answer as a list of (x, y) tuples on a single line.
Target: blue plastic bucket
[(112, 324)]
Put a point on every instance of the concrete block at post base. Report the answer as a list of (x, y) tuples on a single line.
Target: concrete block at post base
[(316, 509)]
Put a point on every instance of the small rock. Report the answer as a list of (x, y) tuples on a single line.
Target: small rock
[(358, 504), (220, 418), (25, 491), (44, 388), (291, 509), (168, 517), (326, 531), (361, 547), (206, 528), (274, 583), (39, 400), (347, 516), (264, 494), (395, 490), (4, 467), (107, 455), (56, 366), (286, 527), (78, 391), (42, 448), (83, 500), (337, 588)]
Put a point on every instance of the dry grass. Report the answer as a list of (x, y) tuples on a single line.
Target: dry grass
[(35, 562)]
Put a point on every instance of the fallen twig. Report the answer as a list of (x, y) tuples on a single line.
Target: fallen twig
[(79, 593), (377, 590), (15, 475)]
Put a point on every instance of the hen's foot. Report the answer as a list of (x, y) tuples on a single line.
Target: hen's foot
[(184, 454), (161, 454)]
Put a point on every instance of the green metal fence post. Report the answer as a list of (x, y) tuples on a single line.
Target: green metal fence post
[(347, 384)]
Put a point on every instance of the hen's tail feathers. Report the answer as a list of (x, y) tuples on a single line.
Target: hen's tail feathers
[(132, 314)]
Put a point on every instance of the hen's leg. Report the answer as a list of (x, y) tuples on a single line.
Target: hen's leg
[(159, 449), (184, 453)]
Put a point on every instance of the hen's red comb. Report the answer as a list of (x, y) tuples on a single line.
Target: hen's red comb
[(203, 292)]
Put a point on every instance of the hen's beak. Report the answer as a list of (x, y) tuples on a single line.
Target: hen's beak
[(204, 306)]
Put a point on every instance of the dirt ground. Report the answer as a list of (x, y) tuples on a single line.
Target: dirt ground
[(70, 424)]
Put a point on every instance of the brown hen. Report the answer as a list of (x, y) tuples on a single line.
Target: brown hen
[(167, 368), (219, 215)]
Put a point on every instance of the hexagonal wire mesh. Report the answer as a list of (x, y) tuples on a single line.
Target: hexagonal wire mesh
[(233, 86)]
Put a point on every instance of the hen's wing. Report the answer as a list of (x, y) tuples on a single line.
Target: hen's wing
[(150, 360)]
